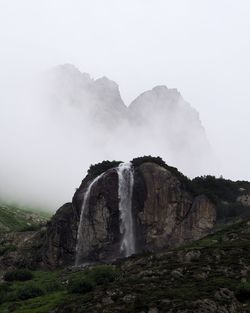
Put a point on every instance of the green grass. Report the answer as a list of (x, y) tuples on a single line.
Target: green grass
[(50, 284), (18, 219), (42, 304), (55, 286), (151, 283)]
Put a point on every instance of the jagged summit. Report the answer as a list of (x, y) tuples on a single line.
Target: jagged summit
[(159, 121), (106, 83), (69, 71)]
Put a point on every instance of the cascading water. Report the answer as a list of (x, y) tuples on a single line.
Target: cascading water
[(80, 239), (125, 192)]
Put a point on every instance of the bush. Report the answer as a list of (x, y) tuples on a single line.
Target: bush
[(80, 285), (158, 160), (243, 292), (103, 274), (216, 188), (19, 275), (231, 210), (6, 249), (99, 275), (4, 289), (32, 227), (99, 168), (28, 291)]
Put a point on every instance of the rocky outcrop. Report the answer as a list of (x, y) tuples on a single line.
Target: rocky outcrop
[(100, 229), (60, 241), (20, 249), (169, 214), (210, 275), (165, 214)]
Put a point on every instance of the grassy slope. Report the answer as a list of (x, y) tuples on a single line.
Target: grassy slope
[(168, 280), (17, 219)]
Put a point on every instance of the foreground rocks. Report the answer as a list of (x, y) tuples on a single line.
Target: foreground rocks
[(209, 276), (21, 249), (206, 276)]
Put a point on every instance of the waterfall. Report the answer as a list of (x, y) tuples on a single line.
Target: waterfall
[(80, 239), (125, 193)]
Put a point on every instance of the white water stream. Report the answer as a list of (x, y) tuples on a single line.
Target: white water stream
[(125, 193), (80, 239)]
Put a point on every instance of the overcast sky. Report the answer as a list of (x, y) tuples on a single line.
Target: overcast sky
[(200, 47)]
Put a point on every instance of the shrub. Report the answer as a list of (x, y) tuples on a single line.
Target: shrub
[(231, 210), (80, 285), (28, 291), (99, 275), (243, 292), (7, 248), (148, 158), (19, 275), (4, 289), (216, 188), (31, 227), (158, 160), (99, 168), (103, 274)]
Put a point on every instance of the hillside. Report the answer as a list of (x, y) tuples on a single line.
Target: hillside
[(20, 234), (210, 275), (13, 218)]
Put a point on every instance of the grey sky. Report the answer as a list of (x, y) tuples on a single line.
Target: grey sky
[(201, 47)]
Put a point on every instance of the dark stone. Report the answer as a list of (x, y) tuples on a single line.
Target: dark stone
[(60, 241), (164, 213)]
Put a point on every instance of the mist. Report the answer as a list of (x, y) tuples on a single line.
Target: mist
[(48, 141), (61, 121)]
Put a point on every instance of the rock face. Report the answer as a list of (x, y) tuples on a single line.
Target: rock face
[(20, 249), (169, 215), (165, 214), (100, 235), (60, 242)]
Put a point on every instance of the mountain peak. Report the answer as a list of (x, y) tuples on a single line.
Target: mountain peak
[(106, 82), (70, 70), (163, 89)]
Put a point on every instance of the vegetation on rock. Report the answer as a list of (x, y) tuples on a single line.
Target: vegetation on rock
[(222, 192), (158, 160), (18, 275), (88, 280), (13, 218), (219, 189), (99, 168), (210, 274)]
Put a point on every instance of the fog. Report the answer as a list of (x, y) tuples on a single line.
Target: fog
[(199, 47)]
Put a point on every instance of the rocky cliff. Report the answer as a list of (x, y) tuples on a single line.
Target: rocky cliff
[(164, 212)]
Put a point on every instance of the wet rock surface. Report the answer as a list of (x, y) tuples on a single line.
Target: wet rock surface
[(165, 214)]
